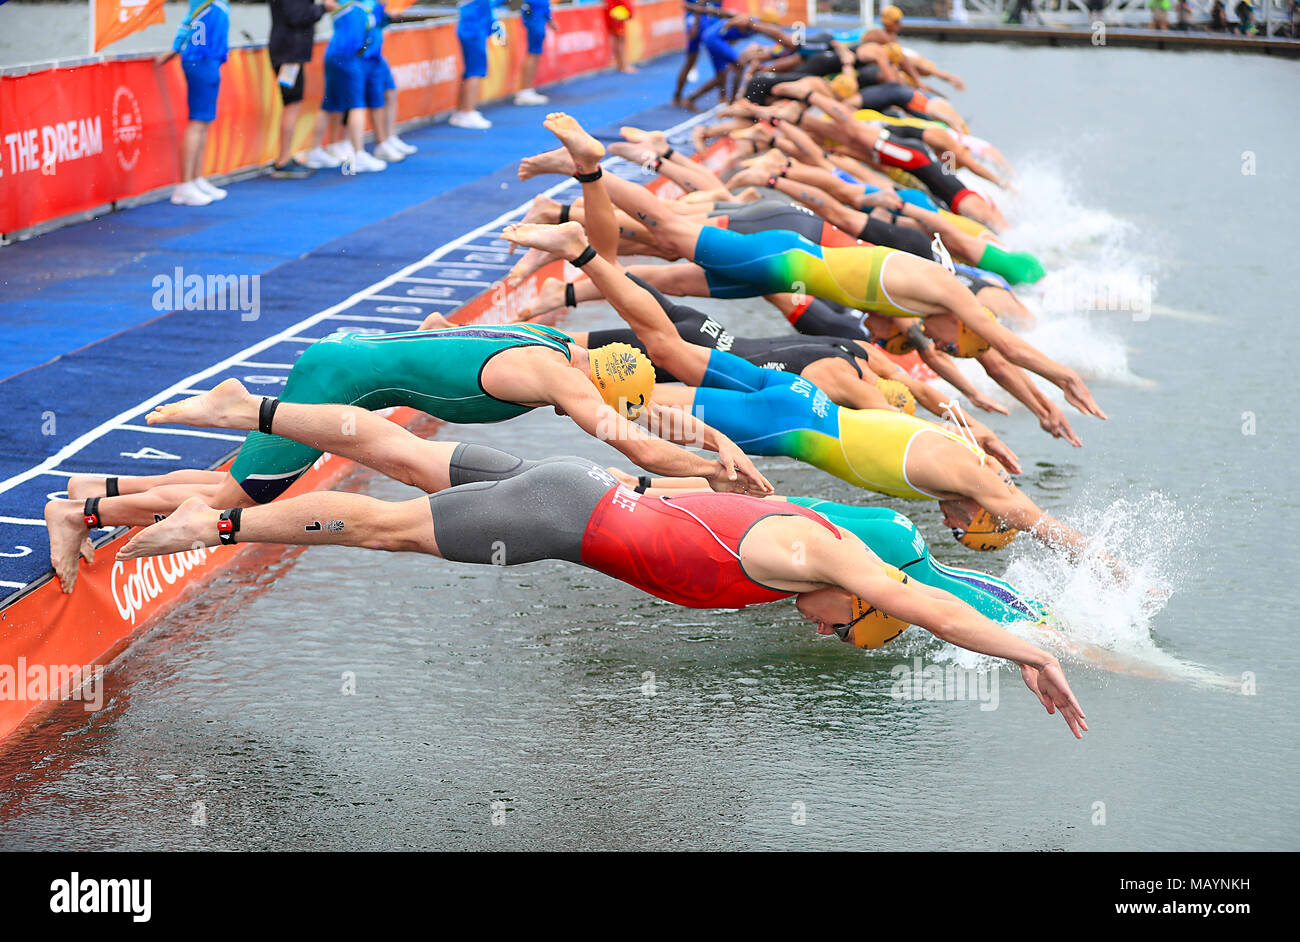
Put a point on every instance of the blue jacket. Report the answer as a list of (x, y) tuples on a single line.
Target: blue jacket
[(203, 33), (352, 23), (476, 17)]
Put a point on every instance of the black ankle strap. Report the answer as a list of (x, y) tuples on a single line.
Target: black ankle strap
[(110, 487), (643, 483), (588, 177), (228, 525), (265, 413), (668, 153), (564, 212), (570, 296), (90, 513), (587, 255)]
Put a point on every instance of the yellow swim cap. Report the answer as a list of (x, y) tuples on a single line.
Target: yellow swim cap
[(620, 12), (891, 14), (985, 533), (897, 395), (844, 85), (770, 15), (870, 627), (895, 52), (624, 376), (969, 343)]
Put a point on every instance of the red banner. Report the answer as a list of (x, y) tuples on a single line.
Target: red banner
[(75, 139), (117, 19)]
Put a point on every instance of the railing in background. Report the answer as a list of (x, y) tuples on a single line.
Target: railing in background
[(1270, 15)]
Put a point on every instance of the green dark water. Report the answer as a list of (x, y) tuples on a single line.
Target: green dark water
[(524, 686)]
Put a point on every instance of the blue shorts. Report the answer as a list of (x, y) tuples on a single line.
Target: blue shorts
[(721, 54), (473, 49), (202, 81), (379, 79), (345, 84), (535, 17)]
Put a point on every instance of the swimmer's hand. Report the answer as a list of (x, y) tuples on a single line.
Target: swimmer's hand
[(627, 480), (735, 472), (1053, 691), (999, 450), (1055, 423), (981, 401), (1078, 395)]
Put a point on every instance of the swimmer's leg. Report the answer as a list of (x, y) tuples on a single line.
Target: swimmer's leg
[(586, 151), (670, 229), (309, 520), (681, 280), (347, 431), (66, 521), (82, 486)]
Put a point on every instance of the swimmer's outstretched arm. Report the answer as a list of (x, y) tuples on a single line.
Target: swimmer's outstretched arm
[(1015, 381), (958, 299), (843, 563), (665, 346)]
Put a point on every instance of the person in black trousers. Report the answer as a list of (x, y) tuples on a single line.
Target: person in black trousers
[(293, 32)]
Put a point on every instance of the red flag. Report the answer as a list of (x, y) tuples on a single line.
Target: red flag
[(117, 19)]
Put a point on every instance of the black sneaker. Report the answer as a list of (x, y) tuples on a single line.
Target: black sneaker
[(290, 171)]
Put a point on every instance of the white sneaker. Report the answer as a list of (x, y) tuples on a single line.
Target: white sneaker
[(530, 96), (388, 153), (318, 158), (187, 194), (208, 189), (469, 119), (362, 162), (339, 150), (401, 145)]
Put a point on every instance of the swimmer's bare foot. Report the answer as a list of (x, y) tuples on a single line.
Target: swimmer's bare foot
[(552, 161), (532, 260), (193, 524), (699, 139), (549, 298), (584, 148), (227, 405), (68, 539), (543, 210), (436, 321), (646, 157), (749, 177), (748, 195), (683, 103), (566, 240), (656, 139), (83, 486), (770, 160)]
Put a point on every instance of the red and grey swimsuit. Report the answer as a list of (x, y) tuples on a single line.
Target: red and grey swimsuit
[(685, 548)]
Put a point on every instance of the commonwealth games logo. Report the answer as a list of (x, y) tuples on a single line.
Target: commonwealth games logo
[(128, 127)]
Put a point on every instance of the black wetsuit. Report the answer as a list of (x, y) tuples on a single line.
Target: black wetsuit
[(789, 352)]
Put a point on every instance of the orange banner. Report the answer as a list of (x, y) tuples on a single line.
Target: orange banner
[(788, 12), (117, 19)]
